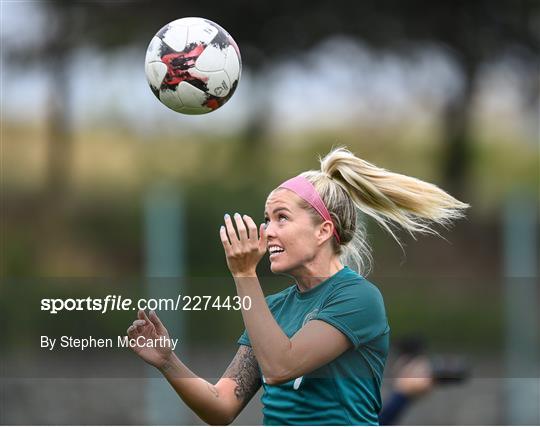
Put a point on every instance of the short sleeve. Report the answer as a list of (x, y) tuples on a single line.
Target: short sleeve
[(357, 310), (272, 301)]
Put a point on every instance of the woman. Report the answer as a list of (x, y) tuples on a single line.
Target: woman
[(318, 347)]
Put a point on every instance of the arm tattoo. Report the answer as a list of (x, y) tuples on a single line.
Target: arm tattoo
[(244, 369)]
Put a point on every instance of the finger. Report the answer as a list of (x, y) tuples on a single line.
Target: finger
[(242, 231), (138, 324), (252, 228), (225, 240), (233, 238), (157, 323), (132, 332), (263, 241), (148, 322), (143, 316)]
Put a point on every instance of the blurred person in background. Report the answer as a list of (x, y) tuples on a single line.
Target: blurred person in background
[(318, 347), (413, 381), (416, 375)]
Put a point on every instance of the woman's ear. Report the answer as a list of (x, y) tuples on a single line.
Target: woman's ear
[(326, 230)]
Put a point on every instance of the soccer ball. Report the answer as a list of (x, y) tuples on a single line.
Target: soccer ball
[(193, 65)]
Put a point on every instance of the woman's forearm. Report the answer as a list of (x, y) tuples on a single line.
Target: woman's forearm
[(201, 396), (269, 342)]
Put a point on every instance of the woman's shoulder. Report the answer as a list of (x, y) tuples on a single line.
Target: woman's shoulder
[(279, 296), (354, 285)]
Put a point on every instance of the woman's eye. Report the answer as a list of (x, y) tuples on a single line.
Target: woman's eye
[(280, 219)]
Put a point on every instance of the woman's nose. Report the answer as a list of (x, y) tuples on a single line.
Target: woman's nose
[(270, 230)]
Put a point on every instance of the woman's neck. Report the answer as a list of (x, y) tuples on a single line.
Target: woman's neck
[(314, 273)]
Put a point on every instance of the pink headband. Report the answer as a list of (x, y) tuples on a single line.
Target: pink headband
[(305, 189)]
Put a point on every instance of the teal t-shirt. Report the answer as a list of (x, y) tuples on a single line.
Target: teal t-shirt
[(345, 391)]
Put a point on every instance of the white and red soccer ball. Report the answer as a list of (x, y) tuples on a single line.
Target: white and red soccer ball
[(193, 65)]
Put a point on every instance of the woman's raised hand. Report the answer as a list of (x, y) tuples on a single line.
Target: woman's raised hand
[(147, 328), (244, 249)]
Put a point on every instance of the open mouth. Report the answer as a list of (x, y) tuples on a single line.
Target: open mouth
[(275, 250)]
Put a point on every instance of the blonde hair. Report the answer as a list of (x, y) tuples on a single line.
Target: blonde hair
[(348, 184)]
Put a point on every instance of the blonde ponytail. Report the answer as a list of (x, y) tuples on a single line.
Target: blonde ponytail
[(347, 183)]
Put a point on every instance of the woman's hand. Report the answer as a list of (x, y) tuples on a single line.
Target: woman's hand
[(245, 249), (150, 327)]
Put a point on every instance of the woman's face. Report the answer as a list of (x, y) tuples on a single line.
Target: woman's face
[(291, 232)]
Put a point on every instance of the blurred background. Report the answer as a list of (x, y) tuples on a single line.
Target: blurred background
[(106, 191)]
